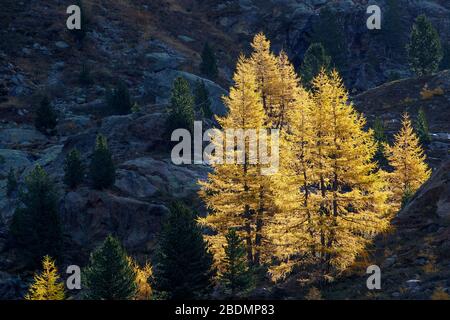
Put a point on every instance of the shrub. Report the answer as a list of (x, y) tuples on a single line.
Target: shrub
[(440, 294), (428, 94)]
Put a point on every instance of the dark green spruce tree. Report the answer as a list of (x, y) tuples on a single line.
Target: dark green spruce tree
[(315, 59), (73, 169), (46, 118), (424, 49), (36, 228), (119, 99), (202, 100), (181, 110), (102, 169), (329, 30), (11, 183), (381, 140), (393, 29), (237, 277), (422, 128), (109, 275), (184, 268), (208, 66)]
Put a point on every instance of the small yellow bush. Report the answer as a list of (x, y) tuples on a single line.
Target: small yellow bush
[(440, 294), (428, 94), (430, 268)]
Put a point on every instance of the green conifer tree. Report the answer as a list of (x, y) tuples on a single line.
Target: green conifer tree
[(381, 140), (424, 50), (184, 267), (237, 276), (181, 110), (119, 99), (36, 228), (208, 66), (102, 169), (330, 32), (202, 100), (73, 169), (315, 59), (422, 129), (110, 275), (46, 118)]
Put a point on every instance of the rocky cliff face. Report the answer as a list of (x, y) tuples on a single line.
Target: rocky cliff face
[(289, 24), (414, 257), (431, 93)]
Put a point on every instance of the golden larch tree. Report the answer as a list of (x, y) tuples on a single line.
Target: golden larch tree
[(291, 231), (143, 275), (47, 285), (231, 191), (352, 205), (407, 158), (287, 90), (267, 76), (276, 83)]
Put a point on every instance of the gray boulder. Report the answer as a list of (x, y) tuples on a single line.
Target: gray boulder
[(133, 184), (89, 216), (21, 136), (178, 181), (11, 286), (18, 160)]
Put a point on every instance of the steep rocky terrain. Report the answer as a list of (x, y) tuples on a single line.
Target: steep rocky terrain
[(147, 44), (432, 93), (414, 257)]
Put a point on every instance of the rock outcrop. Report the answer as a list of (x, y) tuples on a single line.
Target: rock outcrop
[(415, 256)]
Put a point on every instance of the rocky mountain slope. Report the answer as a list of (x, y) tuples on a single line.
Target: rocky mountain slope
[(414, 257), (147, 44), (432, 93)]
